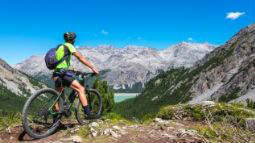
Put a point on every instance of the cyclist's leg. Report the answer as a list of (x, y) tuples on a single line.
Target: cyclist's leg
[(71, 82), (81, 92)]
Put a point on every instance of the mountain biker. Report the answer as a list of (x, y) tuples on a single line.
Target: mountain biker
[(65, 77)]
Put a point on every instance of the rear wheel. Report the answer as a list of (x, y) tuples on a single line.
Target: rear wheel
[(95, 104), (38, 113)]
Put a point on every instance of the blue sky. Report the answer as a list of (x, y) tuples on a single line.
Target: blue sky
[(31, 27)]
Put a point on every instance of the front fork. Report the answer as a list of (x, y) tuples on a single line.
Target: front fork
[(54, 108), (65, 110)]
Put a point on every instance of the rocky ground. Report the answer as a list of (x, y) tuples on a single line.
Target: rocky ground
[(103, 131), (171, 125)]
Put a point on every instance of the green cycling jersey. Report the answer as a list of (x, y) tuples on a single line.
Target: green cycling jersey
[(60, 53)]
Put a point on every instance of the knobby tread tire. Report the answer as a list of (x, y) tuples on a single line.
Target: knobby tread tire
[(25, 112)]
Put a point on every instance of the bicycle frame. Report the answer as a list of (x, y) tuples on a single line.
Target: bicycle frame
[(82, 82)]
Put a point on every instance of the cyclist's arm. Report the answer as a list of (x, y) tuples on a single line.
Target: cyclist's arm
[(82, 59)]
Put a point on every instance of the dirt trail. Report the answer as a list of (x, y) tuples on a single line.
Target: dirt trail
[(16, 134), (154, 132)]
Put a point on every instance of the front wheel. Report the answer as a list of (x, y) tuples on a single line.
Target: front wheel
[(38, 113), (95, 104)]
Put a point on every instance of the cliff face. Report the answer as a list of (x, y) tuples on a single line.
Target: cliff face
[(226, 74), (229, 71), (16, 81)]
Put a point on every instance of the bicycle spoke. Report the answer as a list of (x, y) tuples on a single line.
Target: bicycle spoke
[(94, 102), (40, 117)]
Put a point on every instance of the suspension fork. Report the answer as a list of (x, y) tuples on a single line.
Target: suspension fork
[(55, 104)]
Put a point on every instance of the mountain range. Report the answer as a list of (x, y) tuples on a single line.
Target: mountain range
[(128, 66), (225, 75)]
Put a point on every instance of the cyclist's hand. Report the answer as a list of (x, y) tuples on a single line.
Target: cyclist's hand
[(95, 71)]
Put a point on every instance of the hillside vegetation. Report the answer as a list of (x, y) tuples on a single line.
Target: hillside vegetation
[(223, 75)]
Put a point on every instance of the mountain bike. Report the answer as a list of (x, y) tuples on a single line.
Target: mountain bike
[(39, 110)]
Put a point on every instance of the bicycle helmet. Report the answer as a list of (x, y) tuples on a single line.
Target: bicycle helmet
[(69, 36)]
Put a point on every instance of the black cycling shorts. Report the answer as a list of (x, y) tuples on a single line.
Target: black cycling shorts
[(65, 78)]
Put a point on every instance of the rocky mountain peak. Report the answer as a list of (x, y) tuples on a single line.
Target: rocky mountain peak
[(5, 65), (16, 81), (127, 65)]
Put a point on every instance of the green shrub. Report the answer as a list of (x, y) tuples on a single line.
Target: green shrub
[(167, 112), (250, 103), (84, 131), (106, 93), (8, 119), (218, 113)]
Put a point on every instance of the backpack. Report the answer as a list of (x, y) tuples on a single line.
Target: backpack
[(50, 57)]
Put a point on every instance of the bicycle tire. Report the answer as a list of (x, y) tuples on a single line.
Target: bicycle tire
[(25, 123), (79, 112)]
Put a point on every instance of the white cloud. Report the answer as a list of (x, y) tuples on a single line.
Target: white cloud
[(190, 39), (234, 15), (104, 32)]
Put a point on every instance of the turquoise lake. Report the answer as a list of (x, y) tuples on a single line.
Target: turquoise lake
[(118, 97)]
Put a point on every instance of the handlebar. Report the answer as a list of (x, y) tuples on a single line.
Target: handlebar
[(84, 74)]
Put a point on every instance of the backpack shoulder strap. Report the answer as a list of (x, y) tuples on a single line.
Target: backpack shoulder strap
[(66, 50), (66, 53)]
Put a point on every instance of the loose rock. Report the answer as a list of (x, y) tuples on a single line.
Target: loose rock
[(116, 127), (76, 139), (114, 134), (74, 130), (94, 124), (93, 132), (159, 120), (134, 126), (8, 130), (11, 138), (208, 103), (107, 131), (185, 132), (123, 132), (124, 128)]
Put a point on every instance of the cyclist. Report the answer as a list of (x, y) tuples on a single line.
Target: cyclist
[(65, 77)]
